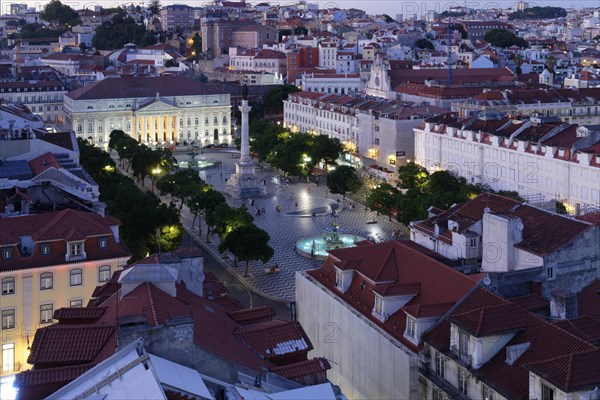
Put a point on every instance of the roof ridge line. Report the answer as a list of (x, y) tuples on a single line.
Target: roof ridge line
[(152, 306)]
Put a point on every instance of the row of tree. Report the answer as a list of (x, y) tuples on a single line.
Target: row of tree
[(120, 30), (234, 226), (295, 154), (147, 224), (539, 13), (418, 190)]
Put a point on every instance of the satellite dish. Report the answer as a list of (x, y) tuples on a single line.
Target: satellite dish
[(487, 281)]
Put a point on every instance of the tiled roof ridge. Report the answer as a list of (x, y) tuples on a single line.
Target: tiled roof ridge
[(561, 328), (259, 326), (570, 357), (391, 254), (151, 300)]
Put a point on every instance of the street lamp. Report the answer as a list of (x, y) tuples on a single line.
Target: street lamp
[(155, 172), (243, 287)]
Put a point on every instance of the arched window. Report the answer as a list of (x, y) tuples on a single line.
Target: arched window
[(224, 119), (206, 120), (75, 277), (46, 281), (215, 121), (189, 121), (196, 121), (104, 273)]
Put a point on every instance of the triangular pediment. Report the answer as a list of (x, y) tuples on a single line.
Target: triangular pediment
[(157, 105)]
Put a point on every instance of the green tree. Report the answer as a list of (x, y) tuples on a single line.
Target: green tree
[(274, 99), (424, 44), (442, 189), (59, 14), (264, 137), (411, 206), (289, 156), (182, 185), (412, 176), (383, 198), (551, 62), (225, 219), (208, 200), (343, 179), (539, 13), (325, 149), (247, 243), (518, 62), (154, 7), (460, 28), (503, 38)]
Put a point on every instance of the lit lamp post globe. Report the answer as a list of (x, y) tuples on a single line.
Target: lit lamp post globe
[(155, 172)]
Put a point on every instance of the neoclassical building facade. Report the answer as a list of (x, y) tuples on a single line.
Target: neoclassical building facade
[(153, 110)]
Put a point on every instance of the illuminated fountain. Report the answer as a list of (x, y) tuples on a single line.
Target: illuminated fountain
[(317, 246)]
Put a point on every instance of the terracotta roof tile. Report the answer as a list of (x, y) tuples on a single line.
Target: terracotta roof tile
[(531, 302), (252, 315), (55, 375), (398, 289), (78, 315), (585, 327), (571, 372), (303, 368), (492, 320), (428, 310), (130, 87), (274, 338), (69, 344)]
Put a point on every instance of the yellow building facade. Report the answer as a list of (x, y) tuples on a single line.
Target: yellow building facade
[(50, 261)]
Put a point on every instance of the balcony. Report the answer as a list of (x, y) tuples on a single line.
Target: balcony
[(430, 378), (460, 356)]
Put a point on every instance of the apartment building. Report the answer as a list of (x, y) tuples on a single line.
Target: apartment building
[(43, 98), (541, 159), (176, 16), (49, 261), (269, 61)]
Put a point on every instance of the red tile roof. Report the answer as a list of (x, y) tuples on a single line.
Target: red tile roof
[(42, 163), (58, 228), (136, 87), (273, 339), (302, 368), (588, 300), (546, 340), (532, 302), (252, 315), (407, 265), (428, 310), (55, 375), (585, 327), (492, 320), (592, 218), (69, 345), (80, 315), (573, 372)]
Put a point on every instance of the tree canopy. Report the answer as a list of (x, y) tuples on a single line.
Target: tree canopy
[(539, 13), (424, 44), (58, 13), (343, 179), (504, 38), (274, 99), (247, 243), (119, 31)]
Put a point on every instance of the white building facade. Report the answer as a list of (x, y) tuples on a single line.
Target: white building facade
[(549, 162), (160, 110)]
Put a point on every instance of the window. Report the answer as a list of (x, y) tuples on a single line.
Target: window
[(206, 120), (76, 303), (8, 357), (547, 393), (410, 327), (486, 393), (8, 285), (90, 129), (196, 121), (377, 142), (76, 249), (104, 273), (379, 305), (550, 272), (463, 343), (46, 312), (46, 281), (437, 394), (189, 122), (338, 279), (8, 319), (75, 277), (463, 382), (6, 252), (439, 365), (224, 119), (103, 243), (473, 242), (46, 249)]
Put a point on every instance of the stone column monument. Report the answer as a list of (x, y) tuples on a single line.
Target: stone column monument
[(245, 182)]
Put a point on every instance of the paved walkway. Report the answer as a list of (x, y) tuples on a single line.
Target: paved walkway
[(297, 202)]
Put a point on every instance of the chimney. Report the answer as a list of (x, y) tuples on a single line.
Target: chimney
[(563, 304)]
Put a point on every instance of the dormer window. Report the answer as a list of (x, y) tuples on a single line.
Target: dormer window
[(103, 242), (378, 308), (338, 279), (547, 392), (410, 327), (6, 252), (75, 251)]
